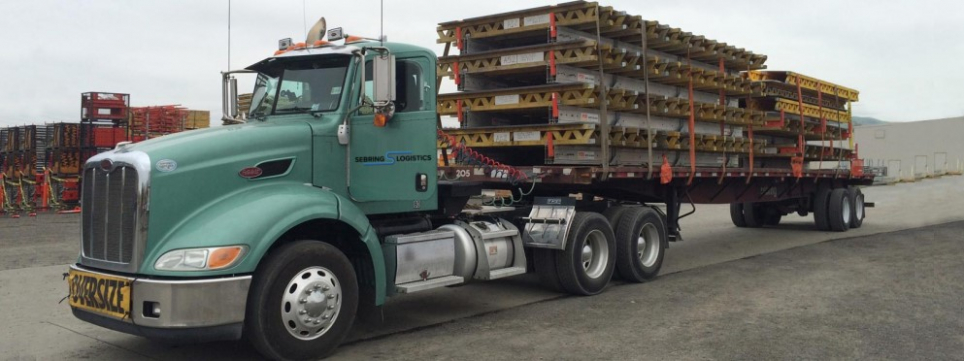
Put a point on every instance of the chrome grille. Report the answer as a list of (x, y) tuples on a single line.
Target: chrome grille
[(109, 203)]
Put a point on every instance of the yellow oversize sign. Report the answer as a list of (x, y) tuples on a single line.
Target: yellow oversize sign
[(101, 294)]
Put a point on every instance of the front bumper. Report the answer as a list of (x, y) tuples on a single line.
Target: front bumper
[(198, 310)]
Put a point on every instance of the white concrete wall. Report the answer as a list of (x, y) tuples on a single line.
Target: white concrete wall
[(926, 144)]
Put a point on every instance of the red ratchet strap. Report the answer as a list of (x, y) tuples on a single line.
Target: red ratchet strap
[(555, 107), (458, 38), (550, 148), (665, 171), (457, 72), (552, 63), (458, 110), (553, 32)]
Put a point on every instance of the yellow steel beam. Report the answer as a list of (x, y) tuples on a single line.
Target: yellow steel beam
[(806, 82)]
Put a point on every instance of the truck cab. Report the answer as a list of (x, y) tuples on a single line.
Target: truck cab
[(278, 228)]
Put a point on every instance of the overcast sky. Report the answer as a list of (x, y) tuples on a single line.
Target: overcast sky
[(903, 56)]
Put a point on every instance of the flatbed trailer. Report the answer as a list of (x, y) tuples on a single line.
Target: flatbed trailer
[(573, 157)]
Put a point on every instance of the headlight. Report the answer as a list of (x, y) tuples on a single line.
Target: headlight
[(198, 259)]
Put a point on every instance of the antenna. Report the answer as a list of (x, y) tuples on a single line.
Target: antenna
[(229, 35), (381, 28), (304, 17)]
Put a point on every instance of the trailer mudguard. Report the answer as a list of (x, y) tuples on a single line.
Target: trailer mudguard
[(257, 217)]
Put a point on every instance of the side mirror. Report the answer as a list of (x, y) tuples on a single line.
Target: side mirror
[(383, 79)]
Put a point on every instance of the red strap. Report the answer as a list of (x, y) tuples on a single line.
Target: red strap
[(552, 62), (555, 106), (458, 110), (552, 26), (550, 148), (458, 37), (456, 71)]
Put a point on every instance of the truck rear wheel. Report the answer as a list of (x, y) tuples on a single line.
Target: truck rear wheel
[(302, 301), (821, 216), (753, 215), (586, 265), (736, 215), (857, 208), (840, 210), (640, 244)]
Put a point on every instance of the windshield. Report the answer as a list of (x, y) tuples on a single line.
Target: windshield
[(300, 86)]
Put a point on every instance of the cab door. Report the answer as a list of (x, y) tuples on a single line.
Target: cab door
[(397, 163)]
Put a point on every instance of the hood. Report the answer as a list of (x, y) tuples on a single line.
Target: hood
[(193, 170)]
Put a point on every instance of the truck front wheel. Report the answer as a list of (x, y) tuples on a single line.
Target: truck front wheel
[(302, 301)]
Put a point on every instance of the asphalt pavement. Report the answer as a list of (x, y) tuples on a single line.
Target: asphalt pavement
[(724, 293)]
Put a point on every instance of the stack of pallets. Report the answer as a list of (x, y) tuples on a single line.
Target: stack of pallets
[(581, 83)]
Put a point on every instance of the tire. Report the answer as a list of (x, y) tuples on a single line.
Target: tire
[(821, 216), (313, 272), (840, 209), (544, 261), (614, 214), (589, 236), (753, 215), (641, 227), (857, 209), (736, 215)]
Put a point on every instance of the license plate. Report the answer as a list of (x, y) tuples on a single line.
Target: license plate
[(101, 294)]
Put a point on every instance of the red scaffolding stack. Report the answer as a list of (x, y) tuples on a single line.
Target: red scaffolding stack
[(155, 121)]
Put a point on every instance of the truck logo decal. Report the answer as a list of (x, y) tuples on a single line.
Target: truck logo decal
[(166, 165), (392, 157)]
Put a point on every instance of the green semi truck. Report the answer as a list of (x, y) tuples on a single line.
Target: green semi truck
[(332, 195)]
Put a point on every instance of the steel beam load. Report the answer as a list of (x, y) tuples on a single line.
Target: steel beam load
[(553, 96), (794, 107), (611, 23), (791, 78)]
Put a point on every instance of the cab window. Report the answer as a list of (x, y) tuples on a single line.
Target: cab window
[(409, 87)]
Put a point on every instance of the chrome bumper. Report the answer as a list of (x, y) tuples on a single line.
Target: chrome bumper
[(186, 306)]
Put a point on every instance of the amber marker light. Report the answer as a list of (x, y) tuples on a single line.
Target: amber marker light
[(224, 257), (380, 120)]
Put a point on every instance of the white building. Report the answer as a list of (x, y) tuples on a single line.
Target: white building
[(913, 148)]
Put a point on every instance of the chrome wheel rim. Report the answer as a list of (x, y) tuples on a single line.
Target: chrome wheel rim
[(647, 245), (311, 303), (846, 211), (595, 254)]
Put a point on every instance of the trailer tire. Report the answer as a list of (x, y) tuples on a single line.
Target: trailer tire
[(615, 214), (322, 280), (752, 215), (736, 215), (857, 208), (588, 261), (544, 261), (821, 216), (840, 210), (640, 245)]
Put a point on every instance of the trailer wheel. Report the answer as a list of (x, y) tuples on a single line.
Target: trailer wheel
[(640, 244), (586, 265), (752, 215), (302, 301), (736, 215), (615, 214), (857, 208), (821, 216), (841, 208)]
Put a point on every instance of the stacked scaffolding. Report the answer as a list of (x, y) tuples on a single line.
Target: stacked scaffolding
[(18, 169), (584, 84), (156, 121), (807, 119), (103, 121)]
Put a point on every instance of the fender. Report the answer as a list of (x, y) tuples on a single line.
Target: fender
[(256, 217)]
